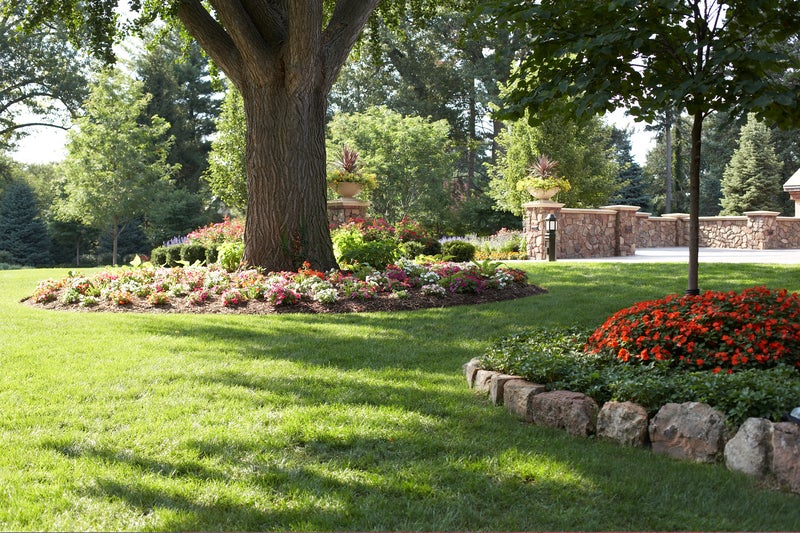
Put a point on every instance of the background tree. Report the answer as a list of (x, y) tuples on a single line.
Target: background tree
[(115, 166), (583, 152), (176, 74), (23, 234), (693, 55), (227, 174), (630, 176), (410, 156), (752, 179), (41, 75)]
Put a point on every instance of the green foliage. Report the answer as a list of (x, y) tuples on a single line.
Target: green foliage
[(23, 234), (351, 247), (158, 256), (411, 158), (226, 175), (752, 178), (115, 166), (555, 357), (42, 74), (458, 250), (193, 253), (176, 73), (584, 155), (174, 255), (230, 254)]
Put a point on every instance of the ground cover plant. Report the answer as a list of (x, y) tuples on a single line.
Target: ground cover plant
[(360, 421)]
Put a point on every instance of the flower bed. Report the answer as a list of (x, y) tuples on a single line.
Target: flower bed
[(403, 285), (739, 352)]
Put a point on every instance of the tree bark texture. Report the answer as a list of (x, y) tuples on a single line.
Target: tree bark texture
[(284, 63), (694, 204)]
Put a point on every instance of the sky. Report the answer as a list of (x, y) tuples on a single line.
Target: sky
[(46, 145)]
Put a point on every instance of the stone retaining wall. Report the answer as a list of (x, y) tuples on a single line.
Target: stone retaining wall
[(618, 230), (689, 431)]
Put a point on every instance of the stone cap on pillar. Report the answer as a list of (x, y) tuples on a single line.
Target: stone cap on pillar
[(793, 184)]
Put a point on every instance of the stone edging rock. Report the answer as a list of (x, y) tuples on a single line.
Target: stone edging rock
[(689, 431)]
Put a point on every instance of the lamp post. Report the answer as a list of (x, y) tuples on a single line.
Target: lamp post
[(550, 223)]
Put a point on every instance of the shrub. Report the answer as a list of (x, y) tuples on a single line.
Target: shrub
[(716, 331), (412, 249), (193, 253), (158, 256), (230, 255), (351, 245), (460, 251), (212, 254), (173, 255)]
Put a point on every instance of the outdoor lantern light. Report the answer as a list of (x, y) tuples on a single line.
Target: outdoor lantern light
[(550, 223)]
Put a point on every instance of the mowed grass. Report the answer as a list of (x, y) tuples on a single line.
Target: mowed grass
[(364, 422)]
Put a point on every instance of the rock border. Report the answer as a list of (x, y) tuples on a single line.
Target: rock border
[(690, 431)]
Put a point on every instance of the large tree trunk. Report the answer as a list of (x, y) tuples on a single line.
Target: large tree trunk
[(694, 204), (287, 218)]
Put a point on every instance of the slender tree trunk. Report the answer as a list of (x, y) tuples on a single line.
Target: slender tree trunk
[(668, 182), (115, 235), (287, 218), (694, 204)]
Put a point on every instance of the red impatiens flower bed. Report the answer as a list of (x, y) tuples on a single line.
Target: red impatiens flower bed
[(717, 331)]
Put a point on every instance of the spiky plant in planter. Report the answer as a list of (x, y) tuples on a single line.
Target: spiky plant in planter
[(348, 170), (542, 176)]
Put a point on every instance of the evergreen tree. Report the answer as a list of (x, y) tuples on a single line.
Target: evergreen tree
[(630, 175), (23, 234), (752, 179)]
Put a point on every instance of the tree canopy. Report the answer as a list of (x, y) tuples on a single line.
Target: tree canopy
[(692, 55)]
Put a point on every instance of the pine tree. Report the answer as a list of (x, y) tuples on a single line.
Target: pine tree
[(23, 235), (752, 178)]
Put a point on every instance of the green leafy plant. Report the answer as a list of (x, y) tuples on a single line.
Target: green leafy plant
[(230, 255), (458, 250)]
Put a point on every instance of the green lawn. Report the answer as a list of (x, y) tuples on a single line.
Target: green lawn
[(332, 422)]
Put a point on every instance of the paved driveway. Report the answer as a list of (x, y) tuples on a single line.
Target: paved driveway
[(707, 255)]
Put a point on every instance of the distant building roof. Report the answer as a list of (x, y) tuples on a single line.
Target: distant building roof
[(794, 182)]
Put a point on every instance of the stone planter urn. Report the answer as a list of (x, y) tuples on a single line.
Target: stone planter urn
[(544, 194), (347, 189)]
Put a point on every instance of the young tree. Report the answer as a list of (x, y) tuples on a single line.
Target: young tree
[(752, 179), (115, 166), (411, 157), (693, 55), (283, 57), (23, 234)]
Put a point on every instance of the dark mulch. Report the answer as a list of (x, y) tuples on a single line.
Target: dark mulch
[(380, 302)]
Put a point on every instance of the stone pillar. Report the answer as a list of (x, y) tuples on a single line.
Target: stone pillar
[(681, 227), (762, 229), (795, 195), (625, 229), (344, 209), (792, 186), (535, 229)]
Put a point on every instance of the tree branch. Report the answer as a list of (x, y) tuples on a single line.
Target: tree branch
[(246, 37), (213, 38), (269, 19), (10, 129), (338, 39)]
